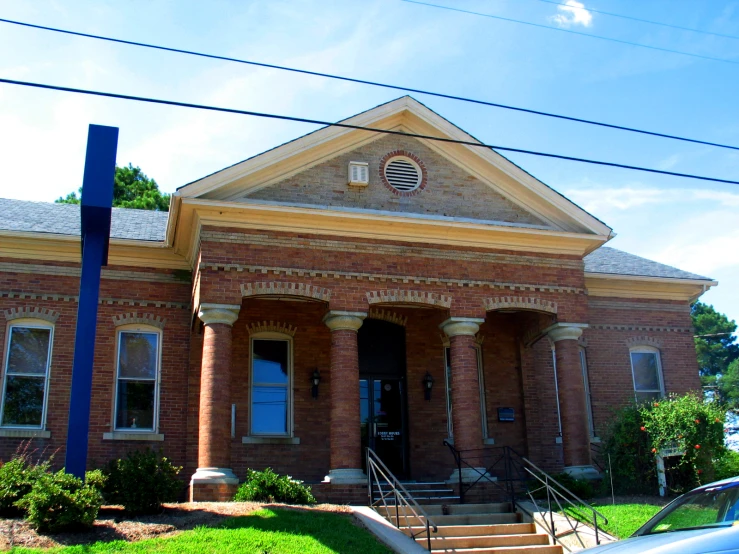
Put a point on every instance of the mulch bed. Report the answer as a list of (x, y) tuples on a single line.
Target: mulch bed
[(112, 523)]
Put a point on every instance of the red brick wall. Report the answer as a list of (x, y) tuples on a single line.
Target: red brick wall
[(21, 289)]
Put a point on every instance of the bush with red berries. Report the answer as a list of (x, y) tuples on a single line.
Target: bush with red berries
[(685, 425)]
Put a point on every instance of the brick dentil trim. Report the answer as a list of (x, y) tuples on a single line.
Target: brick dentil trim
[(31, 312), (271, 327), (398, 296), (278, 288), (144, 319), (522, 303)]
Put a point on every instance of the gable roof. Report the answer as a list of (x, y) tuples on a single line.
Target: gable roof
[(405, 115), (149, 226), (64, 219), (607, 260)]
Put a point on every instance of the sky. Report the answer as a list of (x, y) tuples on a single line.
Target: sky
[(689, 224)]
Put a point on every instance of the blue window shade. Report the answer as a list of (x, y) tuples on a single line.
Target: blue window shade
[(270, 397)]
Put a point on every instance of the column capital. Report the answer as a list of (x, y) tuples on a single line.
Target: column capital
[(455, 326), (344, 321), (218, 313), (565, 331)]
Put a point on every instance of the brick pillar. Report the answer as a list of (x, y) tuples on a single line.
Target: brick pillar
[(346, 443), (213, 479), (572, 408), (466, 409)]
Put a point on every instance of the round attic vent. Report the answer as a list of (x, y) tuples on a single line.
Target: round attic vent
[(403, 173)]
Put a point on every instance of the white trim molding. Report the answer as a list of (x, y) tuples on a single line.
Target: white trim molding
[(218, 313), (565, 331)]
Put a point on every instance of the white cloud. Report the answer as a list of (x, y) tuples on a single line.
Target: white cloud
[(572, 13), (601, 200)]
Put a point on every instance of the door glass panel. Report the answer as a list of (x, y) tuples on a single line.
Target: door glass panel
[(388, 420), (364, 418)]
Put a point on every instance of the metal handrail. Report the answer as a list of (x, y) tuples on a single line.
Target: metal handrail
[(376, 469), (528, 472)]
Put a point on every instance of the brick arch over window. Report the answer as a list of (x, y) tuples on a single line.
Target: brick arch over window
[(387, 315), (644, 341), (520, 303), (32, 312), (279, 288), (397, 296), (143, 319), (271, 327)]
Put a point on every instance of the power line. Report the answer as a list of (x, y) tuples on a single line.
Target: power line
[(371, 83), (651, 22), (570, 31), (360, 128)]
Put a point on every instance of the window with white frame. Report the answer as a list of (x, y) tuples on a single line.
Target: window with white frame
[(586, 384), (271, 384), (137, 379), (448, 383), (646, 369), (26, 375)]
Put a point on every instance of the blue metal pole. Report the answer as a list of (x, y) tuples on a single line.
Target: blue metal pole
[(95, 212)]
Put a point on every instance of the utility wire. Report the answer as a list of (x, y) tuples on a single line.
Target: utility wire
[(358, 127), (371, 83), (651, 22), (570, 31)]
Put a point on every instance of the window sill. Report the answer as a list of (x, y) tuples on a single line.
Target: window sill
[(25, 433), (270, 440), (132, 436)]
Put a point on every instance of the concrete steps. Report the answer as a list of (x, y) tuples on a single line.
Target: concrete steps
[(474, 528)]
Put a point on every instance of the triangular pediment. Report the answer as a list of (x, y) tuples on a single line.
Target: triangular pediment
[(464, 182)]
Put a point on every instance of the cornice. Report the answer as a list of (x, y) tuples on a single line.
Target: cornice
[(381, 227), (66, 248), (658, 288)]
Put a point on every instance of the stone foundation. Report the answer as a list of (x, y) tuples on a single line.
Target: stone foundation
[(212, 492), (326, 493)]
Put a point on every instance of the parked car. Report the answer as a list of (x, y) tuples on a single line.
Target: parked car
[(702, 521)]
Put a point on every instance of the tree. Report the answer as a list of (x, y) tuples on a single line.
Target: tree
[(131, 189), (717, 350)]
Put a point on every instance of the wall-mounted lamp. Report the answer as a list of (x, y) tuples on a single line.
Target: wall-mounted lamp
[(315, 380), (428, 384)]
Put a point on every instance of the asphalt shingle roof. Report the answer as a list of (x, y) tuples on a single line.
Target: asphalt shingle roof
[(64, 219), (145, 225), (618, 262)]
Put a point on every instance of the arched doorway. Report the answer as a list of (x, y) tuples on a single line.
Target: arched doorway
[(382, 393)]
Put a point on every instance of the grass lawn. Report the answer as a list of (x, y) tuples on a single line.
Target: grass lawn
[(267, 531), (624, 519)]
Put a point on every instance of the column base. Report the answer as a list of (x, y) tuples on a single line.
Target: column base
[(583, 472), (470, 475), (213, 484), (346, 477)]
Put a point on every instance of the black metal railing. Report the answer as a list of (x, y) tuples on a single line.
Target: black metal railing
[(520, 480), (393, 496)]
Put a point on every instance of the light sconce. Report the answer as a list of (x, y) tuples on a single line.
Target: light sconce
[(428, 384), (315, 380)]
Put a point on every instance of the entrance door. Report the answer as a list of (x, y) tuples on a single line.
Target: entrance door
[(382, 393), (383, 429)]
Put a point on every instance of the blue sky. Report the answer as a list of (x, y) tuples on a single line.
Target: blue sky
[(693, 225)]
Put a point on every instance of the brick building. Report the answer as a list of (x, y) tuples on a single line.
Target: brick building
[(345, 289)]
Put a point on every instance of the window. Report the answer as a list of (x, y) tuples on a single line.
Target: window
[(586, 384), (271, 385), (448, 383), (647, 372), (26, 376), (137, 380)]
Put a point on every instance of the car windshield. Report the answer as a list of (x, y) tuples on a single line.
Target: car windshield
[(714, 507)]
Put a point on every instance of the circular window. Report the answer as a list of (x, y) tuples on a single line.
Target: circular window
[(403, 174)]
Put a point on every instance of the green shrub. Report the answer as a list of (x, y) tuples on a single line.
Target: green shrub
[(684, 423), (582, 488), (16, 480), (61, 502), (141, 482), (726, 465), (267, 486)]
